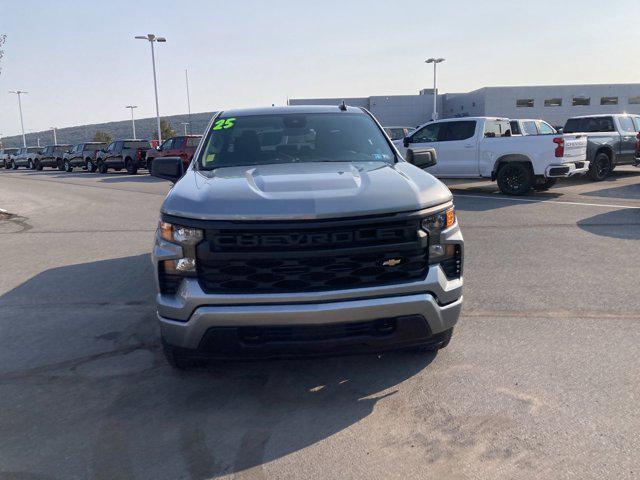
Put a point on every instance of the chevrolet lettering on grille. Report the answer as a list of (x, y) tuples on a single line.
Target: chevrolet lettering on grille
[(312, 239)]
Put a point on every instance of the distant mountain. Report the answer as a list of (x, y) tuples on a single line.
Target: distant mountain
[(145, 128)]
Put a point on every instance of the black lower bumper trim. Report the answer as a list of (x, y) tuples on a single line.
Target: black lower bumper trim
[(256, 342)]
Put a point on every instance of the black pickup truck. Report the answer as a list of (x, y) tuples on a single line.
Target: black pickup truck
[(82, 155), (127, 154), (50, 156)]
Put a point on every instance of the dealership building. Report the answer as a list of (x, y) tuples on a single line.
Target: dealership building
[(553, 103)]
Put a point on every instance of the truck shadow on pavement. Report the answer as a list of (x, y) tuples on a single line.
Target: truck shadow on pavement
[(623, 224), (81, 360)]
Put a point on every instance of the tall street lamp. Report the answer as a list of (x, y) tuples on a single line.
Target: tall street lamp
[(18, 93), (55, 135), (185, 127), (186, 78), (133, 122), (152, 39), (435, 62)]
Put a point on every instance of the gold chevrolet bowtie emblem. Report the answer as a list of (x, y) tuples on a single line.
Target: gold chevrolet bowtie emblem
[(392, 262)]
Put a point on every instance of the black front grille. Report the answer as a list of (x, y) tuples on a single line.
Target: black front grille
[(453, 266), (169, 283), (311, 256)]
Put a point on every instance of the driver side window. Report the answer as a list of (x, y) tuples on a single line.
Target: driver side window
[(427, 134), (167, 145)]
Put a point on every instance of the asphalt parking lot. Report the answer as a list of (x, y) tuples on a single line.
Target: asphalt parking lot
[(541, 379)]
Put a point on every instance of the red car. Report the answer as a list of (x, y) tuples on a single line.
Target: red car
[(183, 146)]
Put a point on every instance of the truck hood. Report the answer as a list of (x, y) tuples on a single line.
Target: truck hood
[(304, 191)]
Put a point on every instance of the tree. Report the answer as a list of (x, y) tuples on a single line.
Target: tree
[(167, 131), (101, 136)]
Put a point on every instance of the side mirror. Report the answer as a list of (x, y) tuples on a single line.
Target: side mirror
[(167, 168), (559, 129), (406, 141), (422, 158)]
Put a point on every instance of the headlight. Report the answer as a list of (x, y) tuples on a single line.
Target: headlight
[(446, 254), (439, 221), (187, 238)]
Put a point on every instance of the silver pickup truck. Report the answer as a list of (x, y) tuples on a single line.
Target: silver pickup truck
[(611, 140), (301, 230)]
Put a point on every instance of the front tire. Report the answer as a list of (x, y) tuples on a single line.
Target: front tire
[(39, 166), (515, 178), (14, 166), (67, 166), (102, 168), (60, 166), (91, 167), (31, 165), (600, 168)]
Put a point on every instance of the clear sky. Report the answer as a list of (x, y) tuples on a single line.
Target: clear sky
[(80, 63)]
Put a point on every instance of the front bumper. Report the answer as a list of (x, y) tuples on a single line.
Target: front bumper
[(188, 317), (569, 169)]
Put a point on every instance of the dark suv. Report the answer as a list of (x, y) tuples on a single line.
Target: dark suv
[(82, 155), (50, 156), (183, 146), (127, 154)]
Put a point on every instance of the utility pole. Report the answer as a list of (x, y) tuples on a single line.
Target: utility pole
[(55, 135), (435, 62), (185, 127), (133, 122), (152, 39), (18, 93), (186, 78)]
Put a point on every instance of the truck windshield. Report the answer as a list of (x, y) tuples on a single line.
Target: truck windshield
[(94, 146), (61, 148), (288, 138)]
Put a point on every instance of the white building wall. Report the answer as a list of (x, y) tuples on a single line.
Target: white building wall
[(412, 110)]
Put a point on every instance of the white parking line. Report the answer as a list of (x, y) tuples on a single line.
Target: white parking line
[(528, 200)]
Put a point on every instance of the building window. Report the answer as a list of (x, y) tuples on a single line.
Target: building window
[(524, 102), (634, 100), (609, 101), (553, 102), (581, 101), (473, 104)]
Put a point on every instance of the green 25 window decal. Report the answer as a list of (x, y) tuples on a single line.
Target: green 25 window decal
[(224, 123)]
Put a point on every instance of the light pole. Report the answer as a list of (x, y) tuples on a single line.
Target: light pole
[(133, 122), (18, 93), (55, 135), (186, 79), (185, 127), (152, 39), (435, 62)]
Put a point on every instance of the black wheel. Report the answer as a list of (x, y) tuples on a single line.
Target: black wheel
[(175, 359), (131, 167), (515, 178), (545, 184), (60, 166), (600, 168), (441, 341), (14, 165), (67, 167), (91, 167), (102, 168), (30, 165), (39, 166)]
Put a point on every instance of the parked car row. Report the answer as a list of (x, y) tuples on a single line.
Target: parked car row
[(525, 154), (127, 154)]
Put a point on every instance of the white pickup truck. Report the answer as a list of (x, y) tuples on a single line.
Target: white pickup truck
[(483, 147)]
